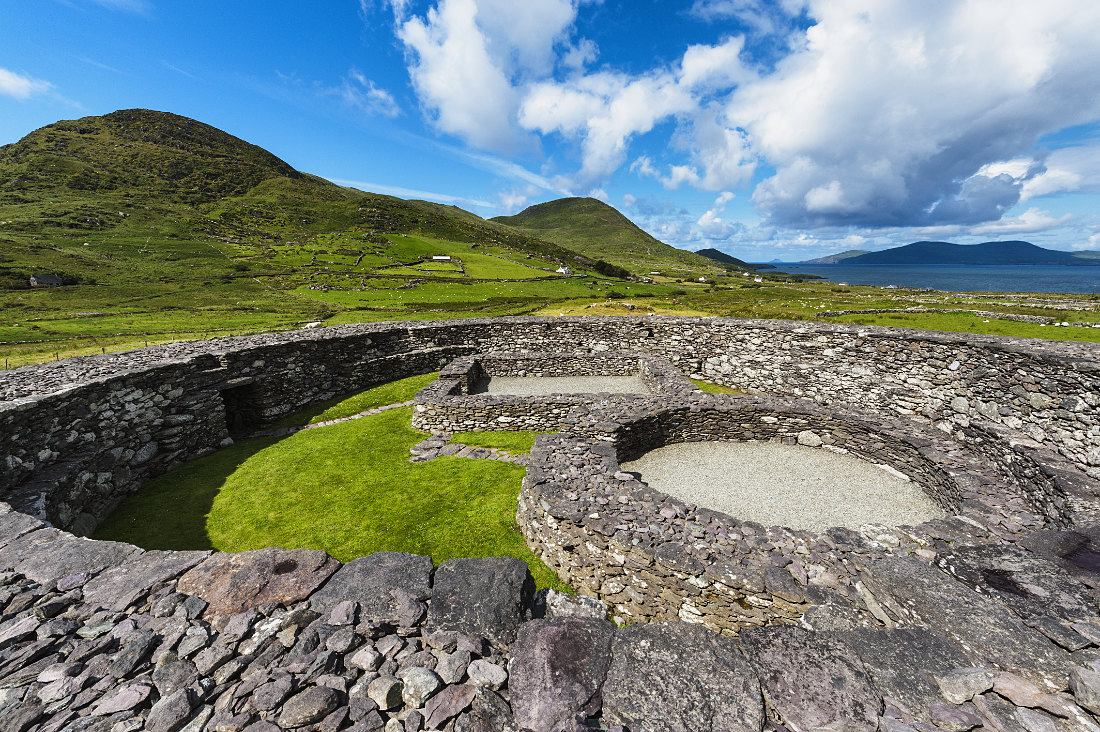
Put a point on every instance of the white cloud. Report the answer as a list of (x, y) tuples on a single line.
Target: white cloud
[(889, 111), (457, 80), (600, 194), (713, 226), (359, 91), (469, 60), (411, 193), (21, 87), (714, 66), (760, 15), (1028, 222)]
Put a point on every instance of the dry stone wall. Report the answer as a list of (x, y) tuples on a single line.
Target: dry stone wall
[(454, 403), (987, 619)]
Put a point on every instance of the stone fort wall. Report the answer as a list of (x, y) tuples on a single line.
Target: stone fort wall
[(987, 618), (80, 435)]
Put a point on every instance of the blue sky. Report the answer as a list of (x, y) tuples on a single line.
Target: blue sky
[(780, 129)]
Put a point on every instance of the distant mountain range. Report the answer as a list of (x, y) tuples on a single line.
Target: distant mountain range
[(942, 252)]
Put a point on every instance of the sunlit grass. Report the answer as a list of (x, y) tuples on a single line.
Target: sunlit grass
[(348, 489)]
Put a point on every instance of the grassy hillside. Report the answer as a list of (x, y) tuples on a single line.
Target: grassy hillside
[(164, 228), (598, 231)]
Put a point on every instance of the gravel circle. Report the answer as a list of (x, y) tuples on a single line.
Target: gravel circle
[(785, 485), (534, 385)]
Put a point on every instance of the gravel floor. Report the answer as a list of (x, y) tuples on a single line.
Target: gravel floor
[(532, 385), (786, 485)]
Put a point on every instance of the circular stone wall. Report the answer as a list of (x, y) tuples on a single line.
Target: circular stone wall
[(796, 486), (997, 598)]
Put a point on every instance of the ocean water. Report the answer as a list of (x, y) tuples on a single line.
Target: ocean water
[(960, 278)]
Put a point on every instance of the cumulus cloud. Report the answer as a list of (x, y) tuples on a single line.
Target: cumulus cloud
[(20, 86), (470, 59), (1030, 221), (763, 16), (888, 113), (713, 226), (882, 114)]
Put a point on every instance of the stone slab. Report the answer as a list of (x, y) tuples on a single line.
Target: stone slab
[(233, 583), (814, 681), (118, 587), (653, 682), (486, 596), (986, 629), (372, 582), (47, 555), (903, 662), (557, 670)]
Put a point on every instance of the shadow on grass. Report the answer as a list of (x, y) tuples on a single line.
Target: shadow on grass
[(171, 511)]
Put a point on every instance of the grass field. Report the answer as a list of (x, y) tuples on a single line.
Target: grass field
[(348, 489)]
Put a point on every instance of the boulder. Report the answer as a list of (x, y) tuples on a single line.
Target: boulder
[(653, 681), (487, 596), (557, 669), (380, 583), (987, 629), (1029, 584), (902, 663), (813, 680), (233, 583)]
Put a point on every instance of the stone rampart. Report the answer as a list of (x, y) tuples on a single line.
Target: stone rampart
[(986, 618)]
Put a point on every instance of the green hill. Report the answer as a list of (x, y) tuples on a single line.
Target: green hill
[(598, 231), (162, 226), (837, 258), (722, 257)]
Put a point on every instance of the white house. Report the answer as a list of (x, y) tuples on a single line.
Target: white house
[(564, 271), (441, 258)]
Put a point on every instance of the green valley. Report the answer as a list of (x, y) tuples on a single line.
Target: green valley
[(163, 228)]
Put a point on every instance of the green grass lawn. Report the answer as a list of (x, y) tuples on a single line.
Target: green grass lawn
[(506, 441), (714, 388), (348, 489)]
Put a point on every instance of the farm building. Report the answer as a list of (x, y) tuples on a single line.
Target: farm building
[(45, 280)]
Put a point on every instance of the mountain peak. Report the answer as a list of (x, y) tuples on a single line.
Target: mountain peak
[(159, 152)]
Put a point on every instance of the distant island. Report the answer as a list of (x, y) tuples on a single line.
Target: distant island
[(942, 252)]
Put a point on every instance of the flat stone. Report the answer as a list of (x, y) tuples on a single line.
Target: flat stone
[(960, 685), (812, 680), (653, 681), (48, 555), (1029, 584), (901, 662), (14, 524), (119, 587), (953, 719), (557, 669), (488, 713), (373, 581), (990, 633), (125, 698), (233, 583), (564, 605), (486, 596), (1085, 685), (170, 713), (309, 706), (447, 704), (420, 684)]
